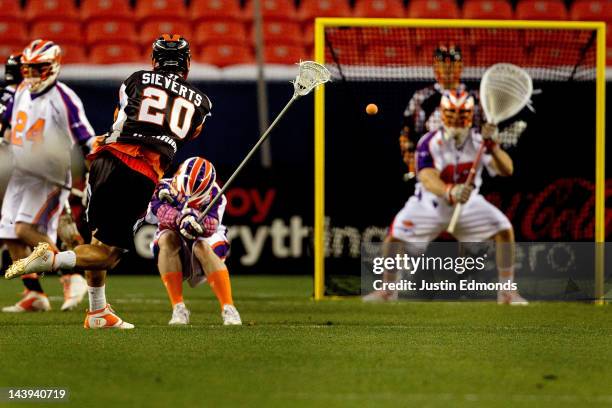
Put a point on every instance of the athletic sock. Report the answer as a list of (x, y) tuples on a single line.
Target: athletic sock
[(506, 275), (97, 297), (64, 260), (31, 282), (174, 286), (219, 282)]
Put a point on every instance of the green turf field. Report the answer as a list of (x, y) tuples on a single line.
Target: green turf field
[(295, 352)]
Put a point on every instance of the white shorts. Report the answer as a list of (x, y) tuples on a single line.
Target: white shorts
[(192, 270), (31, 200), (423, 219)]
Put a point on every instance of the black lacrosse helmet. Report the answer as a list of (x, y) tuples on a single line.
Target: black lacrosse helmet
[(12, 70), (171, 53), (451, 53)]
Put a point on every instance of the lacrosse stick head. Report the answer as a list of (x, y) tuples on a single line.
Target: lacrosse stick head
[(311, 75), (505, 89)]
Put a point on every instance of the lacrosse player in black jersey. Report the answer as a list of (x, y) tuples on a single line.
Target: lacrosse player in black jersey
[(158, 112), (422, 113)]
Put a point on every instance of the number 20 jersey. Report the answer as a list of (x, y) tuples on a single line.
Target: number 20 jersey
[(159, 110)]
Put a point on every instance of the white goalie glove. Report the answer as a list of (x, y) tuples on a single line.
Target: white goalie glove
[(166, 195), (458, 193), (189, 227)]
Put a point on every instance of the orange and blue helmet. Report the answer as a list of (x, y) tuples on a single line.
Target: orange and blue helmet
[(194, 181), (457, 113), (40, 64), (457, 108)]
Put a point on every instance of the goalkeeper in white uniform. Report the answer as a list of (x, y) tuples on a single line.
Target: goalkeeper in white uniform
[(444, 159), (46, 119)]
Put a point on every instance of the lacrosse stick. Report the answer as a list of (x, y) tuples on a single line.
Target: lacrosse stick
[(505, 90), (311, 75)]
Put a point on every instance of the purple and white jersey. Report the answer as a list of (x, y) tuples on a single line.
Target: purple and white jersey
[(45, 126), (453, 162), (217, 211), (217, 241)]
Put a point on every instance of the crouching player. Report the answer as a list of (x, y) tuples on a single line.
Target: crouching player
[(444, 159), (187, 249)]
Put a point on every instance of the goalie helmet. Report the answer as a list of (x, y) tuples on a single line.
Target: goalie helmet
[(12, 70), (457, 113), (41, 64), (194, 181), (171, 53), (447, 66)]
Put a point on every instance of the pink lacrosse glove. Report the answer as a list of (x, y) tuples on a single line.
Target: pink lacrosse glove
[(167, 216), (210, 225)]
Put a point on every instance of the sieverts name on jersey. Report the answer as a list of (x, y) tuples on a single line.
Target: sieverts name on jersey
[(167, 81)]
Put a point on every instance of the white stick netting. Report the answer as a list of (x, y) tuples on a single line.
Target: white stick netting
[(505, 89), (310, 76)]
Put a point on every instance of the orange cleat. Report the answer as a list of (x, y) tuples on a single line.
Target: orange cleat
[(31, 302), (75, 289), (511, 297), (105, 319)]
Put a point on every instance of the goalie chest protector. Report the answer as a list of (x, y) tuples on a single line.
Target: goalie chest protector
[(160, 110)]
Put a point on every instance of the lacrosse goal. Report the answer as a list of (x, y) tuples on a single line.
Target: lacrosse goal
[(557, 192)]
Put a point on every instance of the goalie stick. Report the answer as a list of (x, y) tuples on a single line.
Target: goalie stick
[(505, 90)]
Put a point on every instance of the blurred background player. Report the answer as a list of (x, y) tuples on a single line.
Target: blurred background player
[(158, 112), (12, 78), (46, 120), (186, 249), (444, 159), (422, 114)]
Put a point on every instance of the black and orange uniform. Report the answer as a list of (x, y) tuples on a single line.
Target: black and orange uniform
[(12, 78), (158, 112), (422, 113)]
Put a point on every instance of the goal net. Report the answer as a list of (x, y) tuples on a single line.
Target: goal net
[(361, 178)]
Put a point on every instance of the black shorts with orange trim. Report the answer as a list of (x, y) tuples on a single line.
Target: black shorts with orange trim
[(119, 196)]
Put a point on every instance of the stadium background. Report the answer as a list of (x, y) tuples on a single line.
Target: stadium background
[(271, 209)]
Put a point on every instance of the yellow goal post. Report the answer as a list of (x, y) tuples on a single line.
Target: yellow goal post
[(321, 24)]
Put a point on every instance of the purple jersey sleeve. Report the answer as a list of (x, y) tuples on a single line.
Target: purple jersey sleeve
[(80, 129), (214, 211), (6, 107), (156, 203), (424, 157)]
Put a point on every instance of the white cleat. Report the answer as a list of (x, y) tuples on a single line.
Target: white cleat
[(511, 297), (180, 315), (230, 316), (105, 319), (379, 296), (39, 261), (75, 289), (31, 302)]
